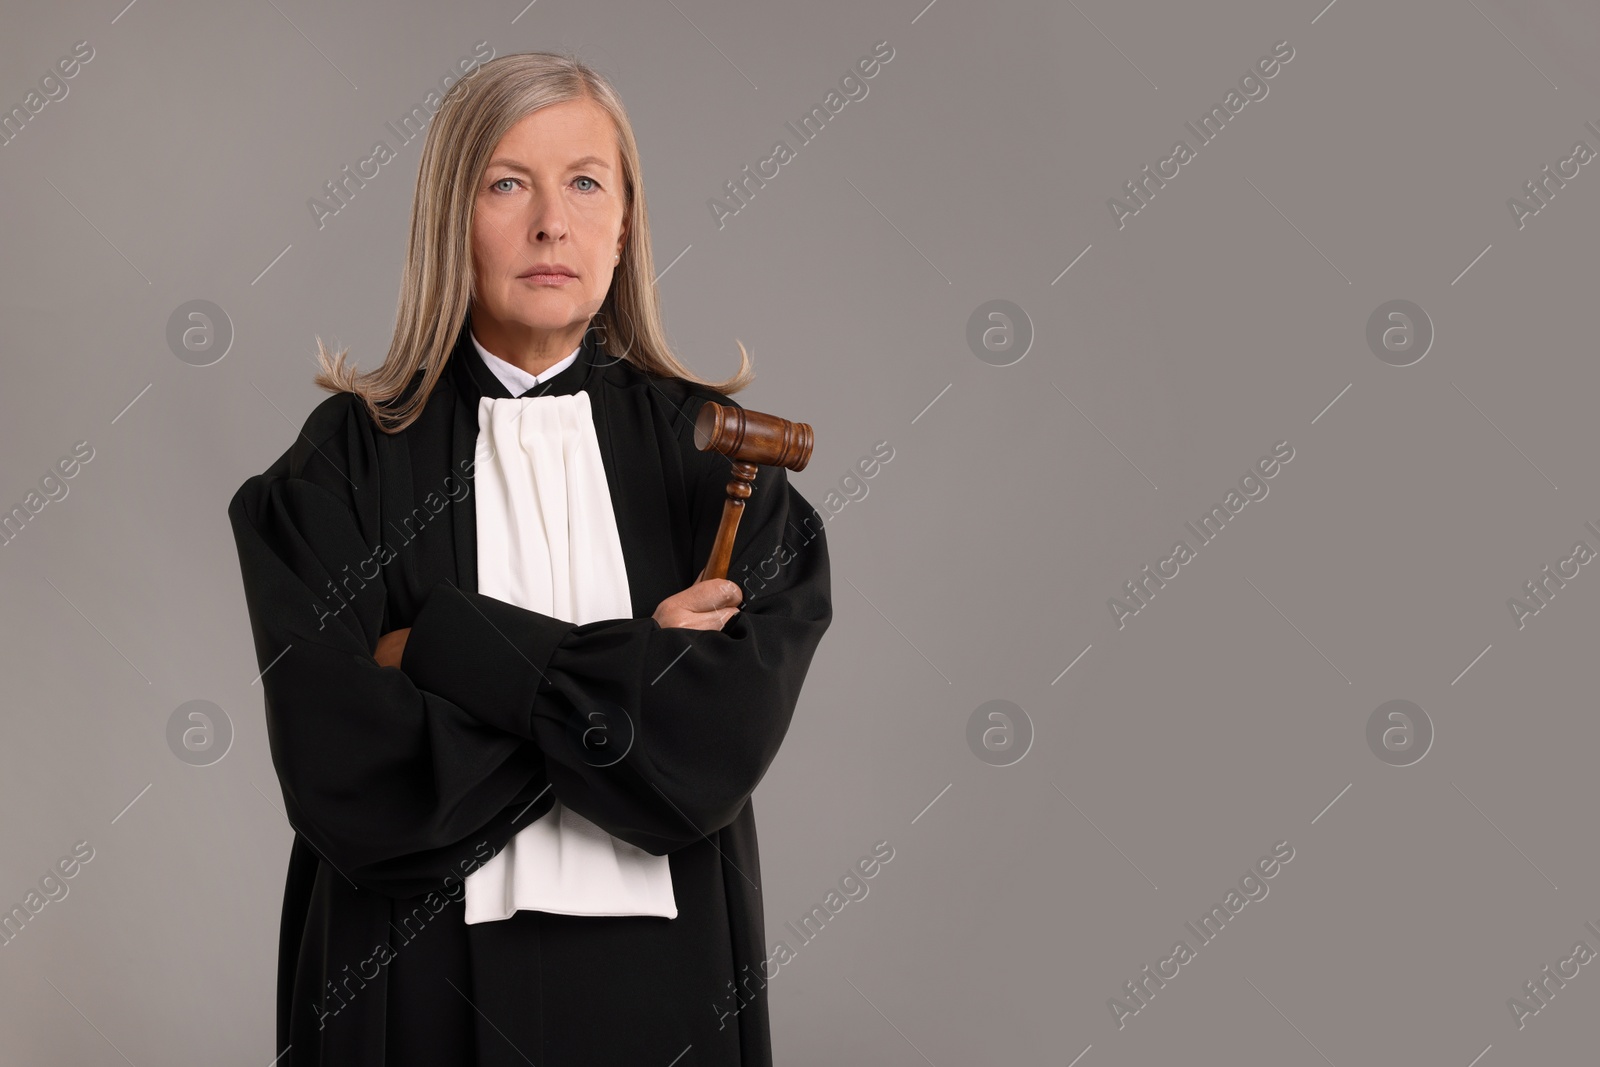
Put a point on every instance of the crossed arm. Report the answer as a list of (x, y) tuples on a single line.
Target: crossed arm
[(706, 605)]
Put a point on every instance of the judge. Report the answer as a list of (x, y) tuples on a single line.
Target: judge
[(515, 729)]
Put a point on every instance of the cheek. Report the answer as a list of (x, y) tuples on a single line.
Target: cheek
[(599, 245), (492, 220), (491, 252), (479, 247)]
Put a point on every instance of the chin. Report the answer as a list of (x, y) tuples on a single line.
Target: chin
[(542, 314)]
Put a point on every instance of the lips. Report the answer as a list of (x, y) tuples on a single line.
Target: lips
[(546, 270)]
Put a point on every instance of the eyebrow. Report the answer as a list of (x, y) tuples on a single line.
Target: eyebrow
[(591, 161)]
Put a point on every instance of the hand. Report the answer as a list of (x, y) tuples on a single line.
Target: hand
[(392, 646), (706, 605)]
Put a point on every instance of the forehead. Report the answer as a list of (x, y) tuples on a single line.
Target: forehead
[(564, 134)]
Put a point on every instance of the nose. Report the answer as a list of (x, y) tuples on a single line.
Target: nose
[(547, 219)]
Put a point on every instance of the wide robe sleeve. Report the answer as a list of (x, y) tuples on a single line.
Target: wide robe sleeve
[(397, 787), (657, 735)]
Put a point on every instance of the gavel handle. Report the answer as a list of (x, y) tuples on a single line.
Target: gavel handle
[(744, 474)]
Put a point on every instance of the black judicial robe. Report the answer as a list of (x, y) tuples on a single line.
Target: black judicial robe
[(400, 782)]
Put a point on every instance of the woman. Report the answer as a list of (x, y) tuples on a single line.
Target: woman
[(516, 734)]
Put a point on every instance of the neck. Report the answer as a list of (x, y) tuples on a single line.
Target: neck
[(534, 350)]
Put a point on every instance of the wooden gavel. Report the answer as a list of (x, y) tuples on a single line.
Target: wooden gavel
[(747, 438)]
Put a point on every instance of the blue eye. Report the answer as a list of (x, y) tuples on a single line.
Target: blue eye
[(498, 184)]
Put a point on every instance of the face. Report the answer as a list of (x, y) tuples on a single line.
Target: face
[(551, 198)]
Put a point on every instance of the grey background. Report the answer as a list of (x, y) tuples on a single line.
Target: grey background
[(1228, 315)]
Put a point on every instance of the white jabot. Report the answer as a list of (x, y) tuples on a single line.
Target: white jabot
[(516, 380), (547, 541)]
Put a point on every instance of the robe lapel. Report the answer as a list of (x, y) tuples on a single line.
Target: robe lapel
[(625, 427), (472, 381)]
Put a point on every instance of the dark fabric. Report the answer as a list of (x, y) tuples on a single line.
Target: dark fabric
[(398, 783)]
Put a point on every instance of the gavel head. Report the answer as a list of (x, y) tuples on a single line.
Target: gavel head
[(753, 437)]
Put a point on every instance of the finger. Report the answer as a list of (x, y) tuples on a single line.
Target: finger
[(712, 595)]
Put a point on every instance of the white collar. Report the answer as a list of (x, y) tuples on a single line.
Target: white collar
[(516, 380), (548, 542)]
